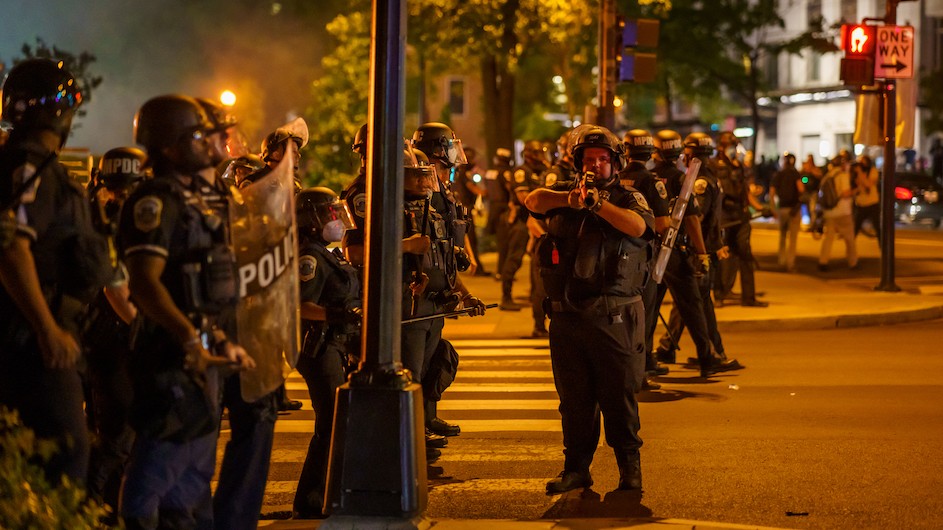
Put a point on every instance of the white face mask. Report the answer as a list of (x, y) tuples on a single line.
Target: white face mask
[(731, 152), (333, 231)]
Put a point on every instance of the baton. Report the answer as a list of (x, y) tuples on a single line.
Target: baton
[(674, 342), (458, 313)]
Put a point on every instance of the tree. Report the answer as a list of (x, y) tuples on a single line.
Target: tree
[(77, 65)]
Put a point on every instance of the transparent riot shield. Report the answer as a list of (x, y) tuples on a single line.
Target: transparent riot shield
[(264, 235)]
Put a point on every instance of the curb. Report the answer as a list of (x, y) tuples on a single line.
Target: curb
[(834, 321)]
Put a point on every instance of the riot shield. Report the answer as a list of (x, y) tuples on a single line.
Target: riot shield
[(264, 235)]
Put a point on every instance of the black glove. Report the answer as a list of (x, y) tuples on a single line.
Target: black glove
[(472, 303), (339, 316)]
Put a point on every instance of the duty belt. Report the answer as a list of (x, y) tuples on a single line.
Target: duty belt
[(604, 305)]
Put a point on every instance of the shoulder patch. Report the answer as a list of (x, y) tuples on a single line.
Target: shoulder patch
[(660, 188), (700, 186), (147, 213), (360, 204), (520, 176), (639, 198), (307, 265), (551, 179)]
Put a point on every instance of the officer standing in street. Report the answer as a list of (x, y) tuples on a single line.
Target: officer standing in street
[(708, 195), (444, 151), (735, 220), (689, 263), (52, 263), (594, 263), (174, 235), (525, 178), (243, 472), (498, 186), (331, 314), (640, 146)]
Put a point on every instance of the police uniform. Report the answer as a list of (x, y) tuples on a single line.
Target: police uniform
[(330, 281), (636, 176), (72, 264), (175, 412), (708, 195), (356, 197), (523, 179), (735, 220), (680, 275), (594, 276)]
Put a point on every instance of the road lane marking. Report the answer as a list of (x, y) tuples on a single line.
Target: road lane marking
[(468, 426)]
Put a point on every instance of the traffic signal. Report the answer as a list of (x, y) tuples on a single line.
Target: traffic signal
[(632, 65), (859, 43)]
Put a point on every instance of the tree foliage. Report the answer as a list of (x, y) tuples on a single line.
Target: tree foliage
[(27, 499)]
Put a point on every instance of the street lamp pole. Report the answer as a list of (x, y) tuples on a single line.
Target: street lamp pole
[(605, 113)]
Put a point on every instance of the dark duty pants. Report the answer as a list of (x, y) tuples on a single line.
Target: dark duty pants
[(686, 294), (244, 470), (737, 239), (323, 374), (594, 370), (676, 321)]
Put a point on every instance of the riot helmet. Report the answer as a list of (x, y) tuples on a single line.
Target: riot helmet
[(321, 212), (276, 139), (699, 143), (419, 176), (165, 120), (439, 142), (218, 115), (639, 144), (360, 141), (668, 144), (236, 170), (121, 167), (535, 154), (40, 94), (728, 144), (600, 137)]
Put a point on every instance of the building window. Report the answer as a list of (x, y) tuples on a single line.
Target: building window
[(814, 66), (849, 10), (772, 70), (457, 97), (813, 12)]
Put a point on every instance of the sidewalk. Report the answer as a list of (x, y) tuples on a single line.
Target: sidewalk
[(352, 523), (796, 301)]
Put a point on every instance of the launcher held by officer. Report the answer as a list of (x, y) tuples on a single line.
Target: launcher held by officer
[(594, 264)]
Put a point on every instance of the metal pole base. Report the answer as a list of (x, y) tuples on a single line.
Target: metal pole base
[(888, 287), (377, 465)]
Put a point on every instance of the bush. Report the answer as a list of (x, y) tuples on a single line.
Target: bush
[(27, 499)]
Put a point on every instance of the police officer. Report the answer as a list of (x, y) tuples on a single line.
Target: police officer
[(274, 147), (525, 178), (243, 472), (639, 145), (444, 151), (330, 312), (356, 197), (594, 262), (174, 238), (708, 193), (735, 220), (498, 186), (689, 262), (107, 339), (52, 263)]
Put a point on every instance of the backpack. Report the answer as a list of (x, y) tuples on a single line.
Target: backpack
[(828, 193)]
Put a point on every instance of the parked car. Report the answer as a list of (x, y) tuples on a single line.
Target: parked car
[(918, 199)]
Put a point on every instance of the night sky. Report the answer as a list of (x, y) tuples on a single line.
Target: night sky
[(148, 48)]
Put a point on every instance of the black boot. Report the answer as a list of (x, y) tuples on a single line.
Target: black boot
[(630, 472), (569, 480), (507, 301)]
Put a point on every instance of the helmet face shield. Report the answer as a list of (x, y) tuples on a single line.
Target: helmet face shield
[(336, 212), (454, 152)]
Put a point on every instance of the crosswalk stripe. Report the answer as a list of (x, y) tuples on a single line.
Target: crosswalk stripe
[(503, 374), (503, 353), (490, 343), (541, 366), (468, 426), (473, 404), (489, 453), (468, 387)]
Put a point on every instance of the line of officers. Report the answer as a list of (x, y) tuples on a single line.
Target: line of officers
[(159, 362)]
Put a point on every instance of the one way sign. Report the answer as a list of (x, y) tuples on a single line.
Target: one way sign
[(894, 53)]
